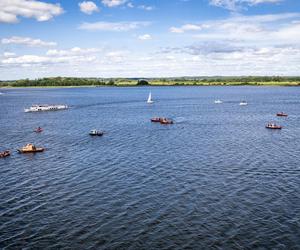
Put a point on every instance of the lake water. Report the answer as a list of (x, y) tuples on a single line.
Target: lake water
[(215, 179)]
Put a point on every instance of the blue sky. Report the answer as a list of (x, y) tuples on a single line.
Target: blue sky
[(148, 38)]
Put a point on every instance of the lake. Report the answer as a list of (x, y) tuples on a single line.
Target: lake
[(214, 179)]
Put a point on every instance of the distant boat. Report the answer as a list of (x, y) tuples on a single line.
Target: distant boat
[(273, 126), (95, 132), (282, 114), (149, 99), (39, 108), (218, 102), (243, 103)]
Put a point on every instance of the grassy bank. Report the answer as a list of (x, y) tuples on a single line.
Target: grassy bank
[(124, 82)]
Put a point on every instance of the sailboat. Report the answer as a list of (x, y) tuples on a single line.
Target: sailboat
[(149, 99)]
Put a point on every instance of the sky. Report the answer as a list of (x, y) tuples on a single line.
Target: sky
[(149, 38)]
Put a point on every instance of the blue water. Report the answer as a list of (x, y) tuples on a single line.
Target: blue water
[(216, 179)]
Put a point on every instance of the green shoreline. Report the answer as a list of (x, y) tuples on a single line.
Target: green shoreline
[(71, 82)]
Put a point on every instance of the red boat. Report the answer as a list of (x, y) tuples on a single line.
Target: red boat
[(4, 154), (156, 119), (38, 130), (273, 126), (282, 114), (166, 121)]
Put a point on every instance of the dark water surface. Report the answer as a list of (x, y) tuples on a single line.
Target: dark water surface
[(216, 179)]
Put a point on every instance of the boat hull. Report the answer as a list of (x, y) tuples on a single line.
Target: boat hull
[(275, 127), (27, 151), (4, 154)]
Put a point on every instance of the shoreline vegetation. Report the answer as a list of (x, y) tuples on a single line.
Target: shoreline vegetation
[(171, 81)]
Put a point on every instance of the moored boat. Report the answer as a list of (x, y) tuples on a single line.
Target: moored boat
[(46, 107), (273, 126), (95, 132), (30, 148), (166, 121), (282, 114), (156, 119), (4, 154)]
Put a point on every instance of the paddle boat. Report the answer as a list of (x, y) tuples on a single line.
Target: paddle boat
[(95, 132), (282, 114), (273, 126), (30, 148), (4, 154)]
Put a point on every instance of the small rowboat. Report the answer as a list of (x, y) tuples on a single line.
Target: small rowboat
[(30, 148), (38, 130), (273, 126), (166, 121), (282, 114), (156, 119), (4, 154), (95, 132)]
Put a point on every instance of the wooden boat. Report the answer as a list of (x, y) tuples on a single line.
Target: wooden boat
[(166, 121), (30, 148), (38, 130), (95, 132), (273, 126), (282, 114), (4, 154), (156, 119)]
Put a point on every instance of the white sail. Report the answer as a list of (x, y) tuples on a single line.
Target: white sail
[(149, 98)]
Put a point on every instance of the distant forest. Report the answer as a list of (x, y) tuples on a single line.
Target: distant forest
[(201, 81)]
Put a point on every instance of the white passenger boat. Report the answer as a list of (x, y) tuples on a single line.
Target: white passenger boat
[(39, 108), (218, 102), (243, 103)]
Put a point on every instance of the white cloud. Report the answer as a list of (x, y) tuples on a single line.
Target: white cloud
[(234, 5), (113, 3), (72, 51), (112, 26), (27, 41), (72, 56), (145, 7), (187, 27), (145, 37), (10, 10), (88, 7), (9, 54)]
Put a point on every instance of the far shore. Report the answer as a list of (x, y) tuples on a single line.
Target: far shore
[(73, 82), (283, 84)]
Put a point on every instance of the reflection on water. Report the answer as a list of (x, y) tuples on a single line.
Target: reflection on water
[(215, 179)]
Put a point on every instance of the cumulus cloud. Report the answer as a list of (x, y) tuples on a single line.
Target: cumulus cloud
[(113, 3), (188, 27), (234, 5), (145, 37), (112, 26), (10, 10), (88, 7), (27, 41), (72, 56)]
